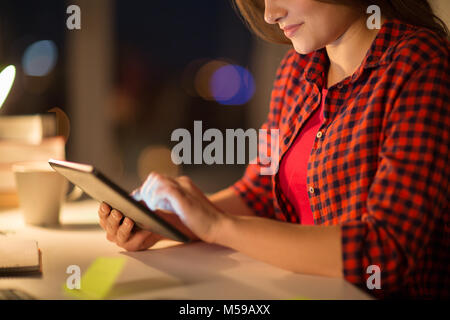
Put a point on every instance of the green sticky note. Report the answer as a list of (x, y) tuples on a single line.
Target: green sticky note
[(98, 279)]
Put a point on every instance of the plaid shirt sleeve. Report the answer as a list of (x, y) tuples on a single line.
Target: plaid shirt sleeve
[(255, 189), (410, 191)]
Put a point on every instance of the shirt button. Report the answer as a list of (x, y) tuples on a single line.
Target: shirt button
[(311, 190), (340, 85), (319, 134)]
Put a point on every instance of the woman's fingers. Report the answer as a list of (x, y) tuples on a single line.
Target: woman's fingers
[(124, 231), (119, 229), (103, 213), (148, 192), (147, 188), (136, 194), (113, 222)]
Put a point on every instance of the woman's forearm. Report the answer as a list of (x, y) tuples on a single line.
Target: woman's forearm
[(228, 201), (303, 249), (312, 250)]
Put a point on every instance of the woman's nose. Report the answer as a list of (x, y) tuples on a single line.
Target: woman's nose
[(273, 13)]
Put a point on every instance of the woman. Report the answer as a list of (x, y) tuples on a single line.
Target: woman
[(363, 181)]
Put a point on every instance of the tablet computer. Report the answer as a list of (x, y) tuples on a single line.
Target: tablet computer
[(99, 187)]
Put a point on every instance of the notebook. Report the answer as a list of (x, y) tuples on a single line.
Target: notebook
[(19, 257)]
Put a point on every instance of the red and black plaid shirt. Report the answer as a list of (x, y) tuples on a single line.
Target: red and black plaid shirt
[(381, 168)]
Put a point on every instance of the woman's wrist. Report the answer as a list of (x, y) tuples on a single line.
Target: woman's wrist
[(221, 228)]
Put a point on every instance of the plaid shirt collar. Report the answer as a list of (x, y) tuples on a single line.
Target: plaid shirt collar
[(380, 53)]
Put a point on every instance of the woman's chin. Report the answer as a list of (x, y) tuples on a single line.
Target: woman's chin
[(303, 48)]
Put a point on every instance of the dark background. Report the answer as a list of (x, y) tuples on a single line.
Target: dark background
[(150, 86)]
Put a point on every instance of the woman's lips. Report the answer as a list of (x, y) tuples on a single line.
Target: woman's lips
[(289, 31)]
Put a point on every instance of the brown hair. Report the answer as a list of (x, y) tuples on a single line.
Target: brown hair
[(415, 12)]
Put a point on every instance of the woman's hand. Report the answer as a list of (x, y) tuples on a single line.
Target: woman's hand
[(127, 235), (123, 232), (183, 198)]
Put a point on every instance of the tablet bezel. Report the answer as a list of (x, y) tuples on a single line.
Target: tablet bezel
[(171, 231)]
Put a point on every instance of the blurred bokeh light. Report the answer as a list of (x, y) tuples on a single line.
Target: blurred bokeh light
[(125, 83), (232, 85), (203, 78), (218, 80), (40, 58), (7, 77), (225, 83), (156, 158)]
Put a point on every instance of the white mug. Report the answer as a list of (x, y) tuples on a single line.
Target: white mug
[(41, 192)]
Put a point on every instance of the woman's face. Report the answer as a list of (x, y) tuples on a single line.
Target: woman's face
[(310, 24)]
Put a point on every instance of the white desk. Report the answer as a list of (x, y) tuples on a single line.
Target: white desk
[(168, 271)]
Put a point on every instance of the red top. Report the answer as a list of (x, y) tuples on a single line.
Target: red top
[(380, 169), (294, 165)]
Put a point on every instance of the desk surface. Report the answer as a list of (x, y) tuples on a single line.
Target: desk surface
[(167, 271)]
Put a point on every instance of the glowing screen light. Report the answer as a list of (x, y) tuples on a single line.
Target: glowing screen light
[(40, 58), (6, 81), (232, 85)]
